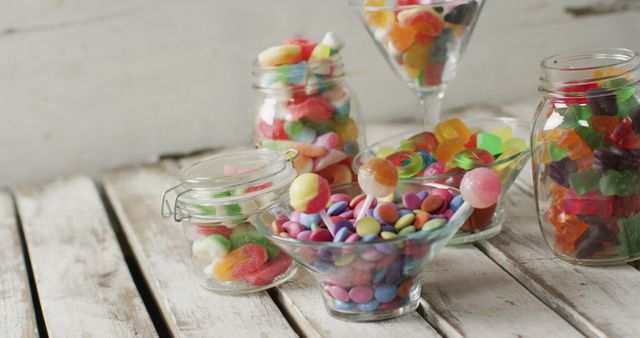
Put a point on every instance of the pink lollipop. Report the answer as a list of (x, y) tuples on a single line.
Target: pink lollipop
[(309, 193), (481, 188), (377, 178)]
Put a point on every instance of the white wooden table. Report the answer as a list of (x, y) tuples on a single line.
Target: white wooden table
[(94, 258)]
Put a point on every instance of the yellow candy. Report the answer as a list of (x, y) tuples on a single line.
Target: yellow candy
[(303, 189), (389, 198), (504, 133), (347, 132), (321, 52), (453, 129), (280, 55), (517, 143), (377, 18), (417, 56), (412, 73), (367, 226), (385, 151)]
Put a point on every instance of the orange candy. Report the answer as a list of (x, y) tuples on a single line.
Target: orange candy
[(417, 57), (423, 20), (239, 262), (337, 174), (604, 123), (452, 129), (448, 149), (578, 149), (377, 18), (401, 37)]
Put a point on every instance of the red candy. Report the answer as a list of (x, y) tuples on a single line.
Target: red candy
[(591, 204), (240, 262), (306, 46), (269, 271), (313, 108)]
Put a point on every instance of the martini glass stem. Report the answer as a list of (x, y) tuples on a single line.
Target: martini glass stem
[(430, 103)]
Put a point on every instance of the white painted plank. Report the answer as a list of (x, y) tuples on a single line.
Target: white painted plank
[(302, 300), (159, 247), (82, 279), (17, 318), (602, 301), (470, 296)]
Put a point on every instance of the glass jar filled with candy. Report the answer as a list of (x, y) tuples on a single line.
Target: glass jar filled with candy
[(303, 102), (215, 201), (586, 156)]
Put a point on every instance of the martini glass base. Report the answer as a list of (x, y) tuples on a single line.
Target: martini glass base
[(431, 104)]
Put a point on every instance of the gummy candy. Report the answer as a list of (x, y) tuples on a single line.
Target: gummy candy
[(489, 142), (280, 55), (240, 262), (423, 20), (462, 14), (447, 149), (602, 102), (591, 203), (407, 163), (560, 170), (623, 135), (472, 157), (306, 46), (269, 271), (629, 235), (401, 37), (452, 129), (585, 181)]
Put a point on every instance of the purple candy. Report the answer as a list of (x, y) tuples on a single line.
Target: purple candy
[(411, 201), (295, 216), (352, 238), (422, 195), (325, 254), (387, 248), (304, 235), (337, 208), (338, 293), (343, 224)]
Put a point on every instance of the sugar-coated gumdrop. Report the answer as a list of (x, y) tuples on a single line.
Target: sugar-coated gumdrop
[(481, 187), (268, 271), (313, 108), (423, 20), (211, 247), (309, 193), (401, 37), (378, 177), (240, 262)]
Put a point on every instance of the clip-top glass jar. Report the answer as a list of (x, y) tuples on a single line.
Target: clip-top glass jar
[(586, 156), (216, 199), (308, 106)]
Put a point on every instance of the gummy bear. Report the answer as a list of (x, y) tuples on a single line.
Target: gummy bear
[(623, 135), (585, 181), (629, 235), (602, 102), (614, 158), (604, 124), (559, 171), (591, 203)]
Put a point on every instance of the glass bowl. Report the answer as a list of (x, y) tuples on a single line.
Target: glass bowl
[(368, 281), (483, 223)]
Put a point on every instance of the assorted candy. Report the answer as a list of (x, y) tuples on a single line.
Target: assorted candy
[(591, 171), (422, 40), (304, 105), (453, 147), (238, 254)]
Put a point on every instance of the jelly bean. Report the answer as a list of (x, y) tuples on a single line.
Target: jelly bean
[(407, 231), (280, 55), (420, 219), (433, 224)]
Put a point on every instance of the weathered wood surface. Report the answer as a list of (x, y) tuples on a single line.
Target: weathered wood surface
[(600, 301), (82, 280), (17, 318), (160, 250), (470, 296), (301, 299)]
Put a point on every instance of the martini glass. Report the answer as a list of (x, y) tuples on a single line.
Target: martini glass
[(422, 40)]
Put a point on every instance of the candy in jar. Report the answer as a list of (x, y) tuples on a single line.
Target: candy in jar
[(303, 103)]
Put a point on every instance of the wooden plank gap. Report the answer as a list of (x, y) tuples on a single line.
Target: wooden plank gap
[(277, 299), (439, 323), (134, 267), (41, 328)]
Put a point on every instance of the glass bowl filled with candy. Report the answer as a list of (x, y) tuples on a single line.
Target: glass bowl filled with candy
[(304, 103), (444, 153), (214, 200), (368, 254), (586, 156)]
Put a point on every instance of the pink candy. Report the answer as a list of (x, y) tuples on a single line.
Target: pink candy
[(313, 108), (481, 188)]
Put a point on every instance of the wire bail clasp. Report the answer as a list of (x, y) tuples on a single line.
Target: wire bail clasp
[(166, 210)]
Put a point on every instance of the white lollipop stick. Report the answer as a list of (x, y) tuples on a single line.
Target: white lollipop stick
[(464, 208), (365, 207), (327, 221)]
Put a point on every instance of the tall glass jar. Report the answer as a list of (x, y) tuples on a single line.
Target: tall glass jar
[(586, 156), (215, 200), (308, 106)]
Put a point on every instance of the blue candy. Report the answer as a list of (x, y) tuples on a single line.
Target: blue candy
[(307, 219), (368, 307), (379, 275), (341, 235), (344, 306), (422, 194), (350, 148), (389, 228), (386, 293), (370, 237), (337, 208), (324, 266), (343, 223), (456, 203), (403, 212), (427, 158), (387, 248)]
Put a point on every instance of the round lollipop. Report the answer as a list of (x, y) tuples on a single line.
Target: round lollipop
[(309, 194), (377, 178), (480, 188)]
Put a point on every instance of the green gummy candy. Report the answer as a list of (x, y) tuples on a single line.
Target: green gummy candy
[(574, 115), (319, 127), (233, 209), (207, 210), (293, 128), (489, 142), (629, 235), (584, 181), (221, 194), (220, 240), (595, 139), (624, 107), (241, 238), (614, 183), (557, 153)]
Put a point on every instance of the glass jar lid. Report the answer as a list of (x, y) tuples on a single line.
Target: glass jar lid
[(230, 186)]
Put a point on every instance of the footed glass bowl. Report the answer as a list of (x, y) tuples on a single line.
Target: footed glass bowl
[(483, 223), (368, 281)]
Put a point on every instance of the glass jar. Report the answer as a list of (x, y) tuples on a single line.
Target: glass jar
[(308, 107), (215, 201), (586, 156)]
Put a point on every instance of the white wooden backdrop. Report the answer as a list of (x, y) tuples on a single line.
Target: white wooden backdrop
[(87, 84)]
